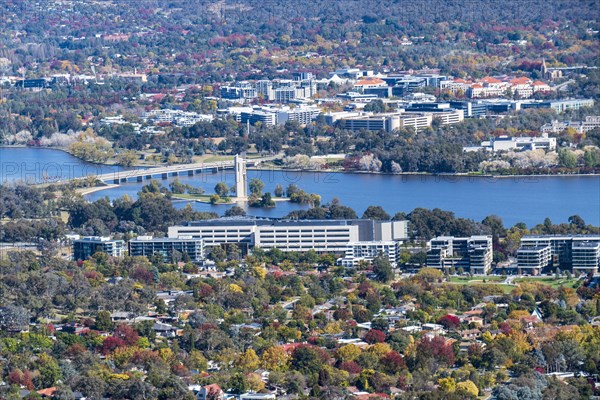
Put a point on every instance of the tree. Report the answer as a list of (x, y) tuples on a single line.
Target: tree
[(177, 187), (449, 321), (256, 186), (436, 349), (447, 384), (49, 370), (275, 359), (374, 336), (235, 211), (349, 352), (103, 321), (468, 387), (247, 361), (278, 192), (307, 359), (382, 268), (14, 318), (377, 213), (221, 189), (567, 158), (127, 158), (196, 360)]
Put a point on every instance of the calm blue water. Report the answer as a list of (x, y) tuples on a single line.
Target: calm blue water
[(35, 165), (527, 200)]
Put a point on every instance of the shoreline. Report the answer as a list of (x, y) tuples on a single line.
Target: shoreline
[(425, 174), (326, 171)]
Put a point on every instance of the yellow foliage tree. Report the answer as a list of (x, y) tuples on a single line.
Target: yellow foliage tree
[(235, 288), (469, 387), (380, 349), (518, 314), (350, 352), (247, 361), (275, 359), (447, 384)]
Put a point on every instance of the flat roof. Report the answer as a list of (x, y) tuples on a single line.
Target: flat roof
[(164, 239), (244, 221)]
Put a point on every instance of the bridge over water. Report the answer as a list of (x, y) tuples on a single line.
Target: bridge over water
[(139, 175)]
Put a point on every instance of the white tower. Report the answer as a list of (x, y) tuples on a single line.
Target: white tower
[(241, 178)]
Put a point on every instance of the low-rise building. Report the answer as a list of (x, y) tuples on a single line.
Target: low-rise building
[(590, 122)]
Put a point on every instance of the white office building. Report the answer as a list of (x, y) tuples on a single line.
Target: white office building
[(324, 236)]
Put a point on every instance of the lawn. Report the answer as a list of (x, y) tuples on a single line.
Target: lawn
[(477, 279), (550, 281), (202, 198)]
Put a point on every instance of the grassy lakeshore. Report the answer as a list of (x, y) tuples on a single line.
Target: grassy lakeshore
[(550, 281), (203, 198)]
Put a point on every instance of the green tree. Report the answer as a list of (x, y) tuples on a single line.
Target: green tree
[(278, 191), (382, 268), (567, 158), (256, 186), (376, 212), (221, 189)]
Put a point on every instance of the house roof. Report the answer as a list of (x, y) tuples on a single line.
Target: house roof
[(520, 81), (213, 388), (489, 79), (48, 391)]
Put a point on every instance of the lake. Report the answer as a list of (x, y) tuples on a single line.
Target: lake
[(520, 199), (41, 165)]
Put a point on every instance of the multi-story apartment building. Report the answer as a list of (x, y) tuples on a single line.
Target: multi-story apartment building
[(473, 254), (576, 252), (367, 251), (533, 259), (87, 246), (585, 257), (147, 246), (331, 236)]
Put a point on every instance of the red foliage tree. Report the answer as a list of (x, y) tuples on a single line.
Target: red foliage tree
[(111, 343), (449, 321), (436, 348), (127, 334), (351, 367), (393, 362), (22, 378), (374, 336)]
